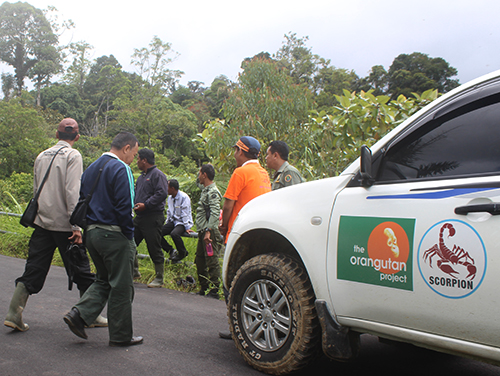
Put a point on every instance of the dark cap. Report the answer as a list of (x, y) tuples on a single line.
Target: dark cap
[(248, 144), (68, 125)]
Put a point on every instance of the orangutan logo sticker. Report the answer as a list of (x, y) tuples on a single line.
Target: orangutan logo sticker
[(452, 259), (376, 251)]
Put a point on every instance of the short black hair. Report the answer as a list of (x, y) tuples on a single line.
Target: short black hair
[(148, 155), (122, 139), (174, 184), (67, 136), (252, 154), (209, 170), (281, 148)]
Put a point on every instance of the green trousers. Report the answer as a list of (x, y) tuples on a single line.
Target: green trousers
[(208, 267), (113, 255)]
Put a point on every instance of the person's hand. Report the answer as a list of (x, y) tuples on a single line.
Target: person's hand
[(189, 231), (139, 207), (207, 239), (76, 238), (223, 230)]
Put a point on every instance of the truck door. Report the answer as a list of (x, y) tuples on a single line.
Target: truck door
[(419, 248)]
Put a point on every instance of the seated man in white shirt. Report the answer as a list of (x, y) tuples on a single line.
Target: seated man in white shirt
[(179, 220)]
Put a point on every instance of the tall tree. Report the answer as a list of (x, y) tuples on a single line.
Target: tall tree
[(216, 95), (159, 123), (77, 72), (417, 72), (377, 80), (48, 65), (66, 100), (25, 33), (266, 104), (331, 81), (152, 64), (105, 83), (298, 60)]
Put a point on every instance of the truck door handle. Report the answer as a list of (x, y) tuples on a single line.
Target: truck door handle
[(493, 209)]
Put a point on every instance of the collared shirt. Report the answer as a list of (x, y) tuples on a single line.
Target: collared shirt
[(286, 176), (151, 190), (209, 201), (179, 210), (60, 193)]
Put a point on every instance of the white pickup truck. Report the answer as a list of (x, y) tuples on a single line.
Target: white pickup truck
[(401, 245)]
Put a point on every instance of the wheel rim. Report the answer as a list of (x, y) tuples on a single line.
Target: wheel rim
[(266, 315)]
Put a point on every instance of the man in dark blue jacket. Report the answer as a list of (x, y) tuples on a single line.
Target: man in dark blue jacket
[(151, 191), (109, 239)]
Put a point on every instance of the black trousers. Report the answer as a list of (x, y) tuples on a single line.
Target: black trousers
[(148, 227), (41, 251), (175, 232)]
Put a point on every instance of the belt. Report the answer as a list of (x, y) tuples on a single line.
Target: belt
[(104, 227)]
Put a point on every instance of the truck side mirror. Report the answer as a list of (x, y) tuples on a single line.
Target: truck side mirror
[(366, 166)]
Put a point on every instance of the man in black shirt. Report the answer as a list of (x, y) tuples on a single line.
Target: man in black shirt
[(150, 195)]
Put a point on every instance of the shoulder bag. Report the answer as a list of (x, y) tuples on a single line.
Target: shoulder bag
[(79, 215)]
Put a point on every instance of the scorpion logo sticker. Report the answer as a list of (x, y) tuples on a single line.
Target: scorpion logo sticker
[(447, 258), (452, 259)]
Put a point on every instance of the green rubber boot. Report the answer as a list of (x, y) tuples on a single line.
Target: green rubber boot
[(14, 317), (158, 281)]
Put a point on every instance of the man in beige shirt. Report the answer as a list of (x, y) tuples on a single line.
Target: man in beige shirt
[(56, 202)]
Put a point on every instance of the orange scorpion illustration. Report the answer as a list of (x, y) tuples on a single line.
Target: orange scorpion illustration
[(448, 257)]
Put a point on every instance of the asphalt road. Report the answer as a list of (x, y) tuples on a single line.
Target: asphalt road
[(180, 338)]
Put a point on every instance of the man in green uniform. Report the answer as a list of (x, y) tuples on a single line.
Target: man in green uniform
[(277, 159), (207, 222)]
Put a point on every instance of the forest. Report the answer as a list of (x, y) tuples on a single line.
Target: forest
[(324, 113)]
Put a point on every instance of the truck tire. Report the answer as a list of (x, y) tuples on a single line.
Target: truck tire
[(272, 316)]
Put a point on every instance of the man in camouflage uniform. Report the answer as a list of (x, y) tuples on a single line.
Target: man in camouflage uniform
[(277, 159), (207, 223)]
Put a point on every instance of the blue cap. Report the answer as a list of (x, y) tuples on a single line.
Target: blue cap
[(246, 143)]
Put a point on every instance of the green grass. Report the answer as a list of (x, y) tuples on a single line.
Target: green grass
[(14, 243), (14, 238)]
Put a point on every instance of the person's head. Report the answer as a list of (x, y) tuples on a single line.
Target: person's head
[(245, 149), (125, 146), (67, 130), (173, 187), (277, 154), (207, 174), (145, 159)]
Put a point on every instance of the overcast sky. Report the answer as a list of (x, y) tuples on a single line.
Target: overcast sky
[(213, 37)]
